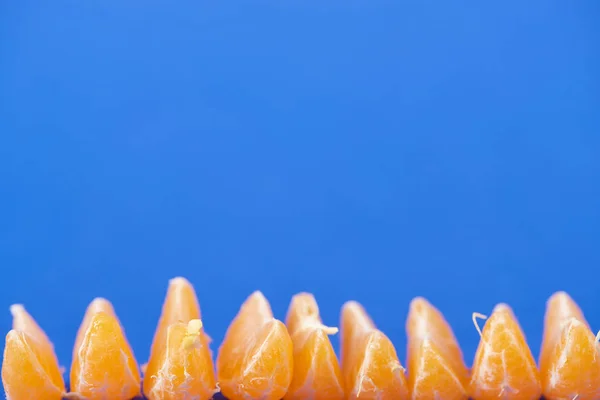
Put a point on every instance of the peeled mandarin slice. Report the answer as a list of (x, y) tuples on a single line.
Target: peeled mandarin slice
[(103, 364), (24, 322), (97, 305), (436, 369), (255, 360), (180, 365), (504, 367), (317, 373), (370, 365), (570, 363), (178, 370), (180, 305), (560, 308), (30, 369)]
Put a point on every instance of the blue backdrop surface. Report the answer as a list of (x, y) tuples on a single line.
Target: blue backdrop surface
[(374, 150)]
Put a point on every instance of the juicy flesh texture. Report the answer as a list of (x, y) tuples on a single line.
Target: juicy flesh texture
[(370, 365), (255, 360), (569, 360), (504, 367), (30, 369), (436, 369), (180, 365), (103, 364), (317, 373)]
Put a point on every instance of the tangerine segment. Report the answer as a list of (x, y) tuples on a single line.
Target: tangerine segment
[(29, 371), (181, 367), (180, 305), (255, 360), (103, 366), (504, 366), (24, 322), (370, 365), (97, 305), (570, 363), (316, 369), (560, 308), (435, 363)]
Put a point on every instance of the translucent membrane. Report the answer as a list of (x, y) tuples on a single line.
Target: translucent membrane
[(316, 369), (256, 358), (369, 361), (569, 360), (435, 362), (504, 367), (180, 365), (30, 369), (103, 363), (261, 358)]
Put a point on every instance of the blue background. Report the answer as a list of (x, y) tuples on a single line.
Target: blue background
[(373, 151)]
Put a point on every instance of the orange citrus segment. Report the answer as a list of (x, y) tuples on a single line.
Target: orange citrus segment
[(435, 363), (97, 305), (180, 363), (24, 322), (370, 365), (316, 369), (255, 360), (103, 363), (504, 366), (179, 369), (25, 370), (560, 308), (30, 368), (180, 305), (569, 359)]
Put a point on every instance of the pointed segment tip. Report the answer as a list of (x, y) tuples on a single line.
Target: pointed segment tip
[(303, 296), (258, 303), (502, 307), (421, 306), (352, 305), (100, 304), (100, 300), (560, 293), (16, 309), (179, 281), (257, 295), (419, 301), (560, 297)]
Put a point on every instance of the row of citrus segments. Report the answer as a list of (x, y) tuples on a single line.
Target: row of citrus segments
[(263, 358)]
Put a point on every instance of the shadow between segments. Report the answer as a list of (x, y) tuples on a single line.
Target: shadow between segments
[(217, 396)]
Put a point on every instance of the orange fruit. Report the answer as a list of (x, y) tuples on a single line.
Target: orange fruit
[(370, 365), (255, 360), (504, 366), (180, 363), (103, 365), (436, 369), (569, 359), (317, 373), (30, 369)]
